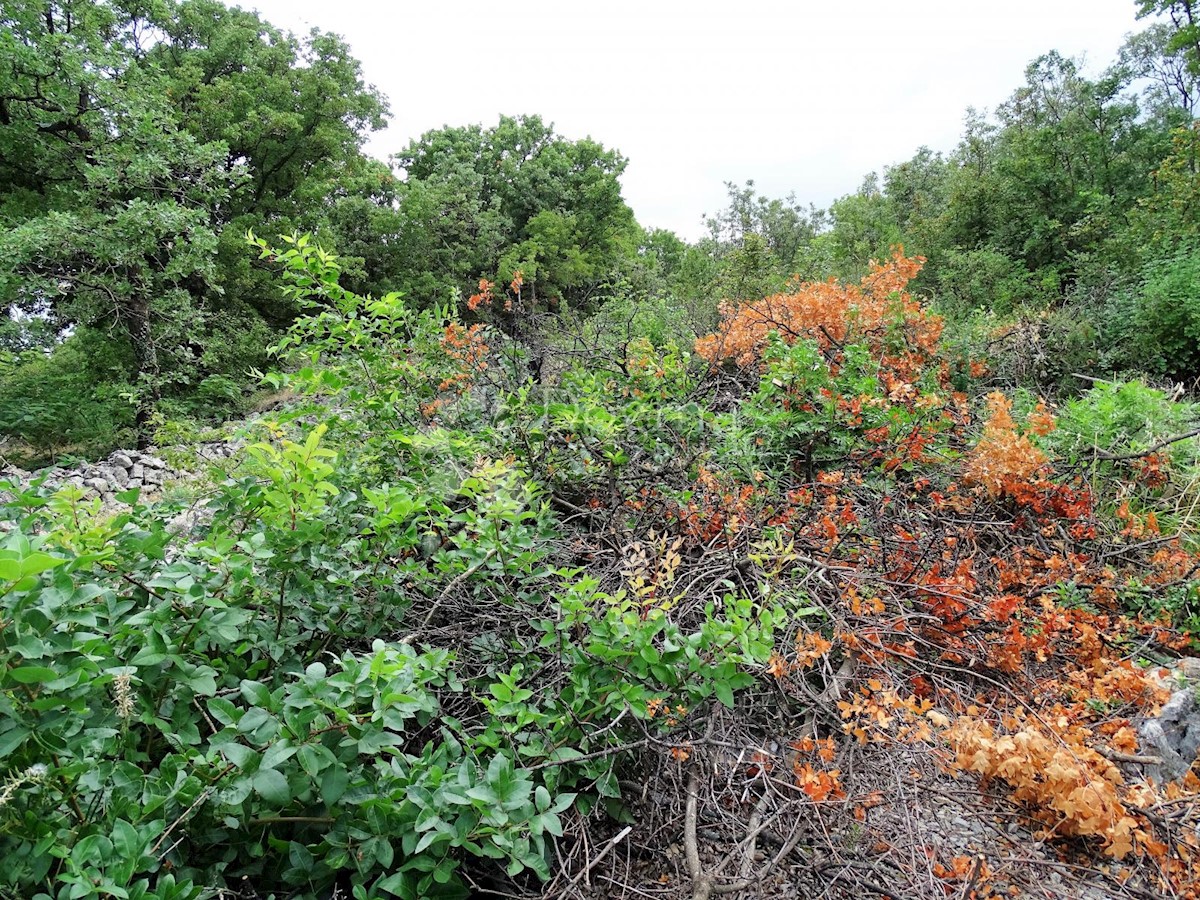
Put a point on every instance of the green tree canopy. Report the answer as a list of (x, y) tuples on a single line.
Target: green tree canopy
[(138, 142), (1184, 16), (483, 201)]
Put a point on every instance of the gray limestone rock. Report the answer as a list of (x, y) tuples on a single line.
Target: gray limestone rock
[(123, 469), (1174, 734)]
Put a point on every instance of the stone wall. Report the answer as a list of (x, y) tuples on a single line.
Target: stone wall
[(123, 470)]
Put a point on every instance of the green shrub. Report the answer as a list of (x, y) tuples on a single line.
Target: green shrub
[(659, 320), (264, 701), (808, 415), (65, 401), (1121, 418), (1167, 315), (988, 279)]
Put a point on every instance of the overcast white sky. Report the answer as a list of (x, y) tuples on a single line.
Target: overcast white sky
[(800, 96)]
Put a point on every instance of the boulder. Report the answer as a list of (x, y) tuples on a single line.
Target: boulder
[(1174, 734)]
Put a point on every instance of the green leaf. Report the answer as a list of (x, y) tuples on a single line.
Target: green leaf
[(300, 857), (444, 871), (223, 711), (253, 719), (202, 682), (238, 754), (724, 693), (484, 794), (333, 785), (396, 884), (10, 568), (147, 657), (562, 801), (256, 693), (310, 760), (11, 740), (551, 823), (501, 692), (278, 752), (37, 562), (607, 786), (32, 674), (272, 786), (126, 840), (427, 839)]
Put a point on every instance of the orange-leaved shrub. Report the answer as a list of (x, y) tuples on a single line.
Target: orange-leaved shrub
[(878, 311), (1003, 455), (1070, 787)]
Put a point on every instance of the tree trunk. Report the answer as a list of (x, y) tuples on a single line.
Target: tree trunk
[(145, 357)]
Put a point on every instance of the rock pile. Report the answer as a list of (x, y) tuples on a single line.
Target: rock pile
[(123, 470)]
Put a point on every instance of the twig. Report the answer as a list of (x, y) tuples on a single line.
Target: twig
[(1118, 756), (1153, 448), (153, 593), (756, 826), (747, 883), (621, 835), (701, 884), (204, 795), (455, 582), (969, 887), (861, 881), (596, 754)]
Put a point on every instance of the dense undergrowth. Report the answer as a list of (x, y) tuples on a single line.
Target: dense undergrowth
[(447, 627)]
